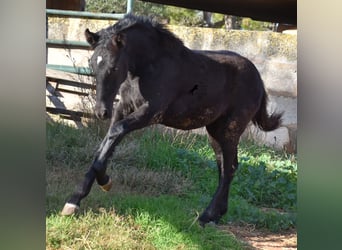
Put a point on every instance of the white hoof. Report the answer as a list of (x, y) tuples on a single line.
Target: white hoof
[(69, 209), (108, 186)]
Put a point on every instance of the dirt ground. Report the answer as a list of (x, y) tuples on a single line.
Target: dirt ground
[(262, 239)]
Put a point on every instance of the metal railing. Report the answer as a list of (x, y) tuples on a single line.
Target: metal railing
[(84, 14), (67, 44)]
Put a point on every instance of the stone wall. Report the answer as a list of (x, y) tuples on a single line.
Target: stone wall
[(274, 54)]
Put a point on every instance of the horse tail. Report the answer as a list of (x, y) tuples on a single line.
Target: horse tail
[(265, 121)]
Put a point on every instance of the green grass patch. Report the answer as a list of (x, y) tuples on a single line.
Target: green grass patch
[(104, 230), (162, 181), (263, 191)]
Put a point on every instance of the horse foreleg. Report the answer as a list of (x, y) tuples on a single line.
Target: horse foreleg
[(82, 191), (114, 135), (104, 181), (97, 170), (72, 205), (116, 132)]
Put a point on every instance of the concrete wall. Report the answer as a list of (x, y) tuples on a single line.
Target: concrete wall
[(274, 54)]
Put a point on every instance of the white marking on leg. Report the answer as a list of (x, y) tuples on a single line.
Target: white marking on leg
[(69, 209)]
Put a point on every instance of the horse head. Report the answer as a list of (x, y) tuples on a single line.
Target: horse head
[(110, 66)]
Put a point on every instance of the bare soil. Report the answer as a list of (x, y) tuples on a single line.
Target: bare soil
[(262, 239)]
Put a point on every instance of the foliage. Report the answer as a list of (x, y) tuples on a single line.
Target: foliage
[(162, 180), (170, 14), (249, 24), (106, 6), (266, 178)]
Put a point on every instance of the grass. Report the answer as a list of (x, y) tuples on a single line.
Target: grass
[(161, 182)]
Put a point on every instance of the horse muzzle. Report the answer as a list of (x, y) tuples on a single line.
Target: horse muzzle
[(103, 113)]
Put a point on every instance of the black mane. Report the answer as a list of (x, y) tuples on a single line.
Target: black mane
[(131, 20)]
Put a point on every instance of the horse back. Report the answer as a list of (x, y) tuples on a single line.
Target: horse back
[(216, 82), (243, 77)]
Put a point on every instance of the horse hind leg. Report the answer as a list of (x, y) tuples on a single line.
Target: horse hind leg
[(218, 153), (224, 140)]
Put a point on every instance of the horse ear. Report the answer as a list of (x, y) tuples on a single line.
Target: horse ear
[(119, 40), (92, 38)]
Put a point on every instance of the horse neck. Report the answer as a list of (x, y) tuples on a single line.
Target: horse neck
[(140, 60), (144, 55)]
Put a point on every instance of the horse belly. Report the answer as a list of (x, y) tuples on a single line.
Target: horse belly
[(189, 119)]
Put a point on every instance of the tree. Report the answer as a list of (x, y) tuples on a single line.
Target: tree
[(177, 16), (232, 22), (106, 6)]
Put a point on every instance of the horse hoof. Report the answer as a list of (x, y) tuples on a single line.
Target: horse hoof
[(210, 224), (69, 209), (205, 219), (108, 186)]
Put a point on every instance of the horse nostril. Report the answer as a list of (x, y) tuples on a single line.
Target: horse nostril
[(102, 114)]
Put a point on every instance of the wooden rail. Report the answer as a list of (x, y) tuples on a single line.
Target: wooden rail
[(66, 93)]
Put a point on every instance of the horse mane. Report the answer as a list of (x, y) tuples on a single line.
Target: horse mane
[(130, 20)]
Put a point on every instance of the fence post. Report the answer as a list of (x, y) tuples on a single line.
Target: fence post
[(129, 6)]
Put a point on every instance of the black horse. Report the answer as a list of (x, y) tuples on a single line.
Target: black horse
[(177, 87)]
